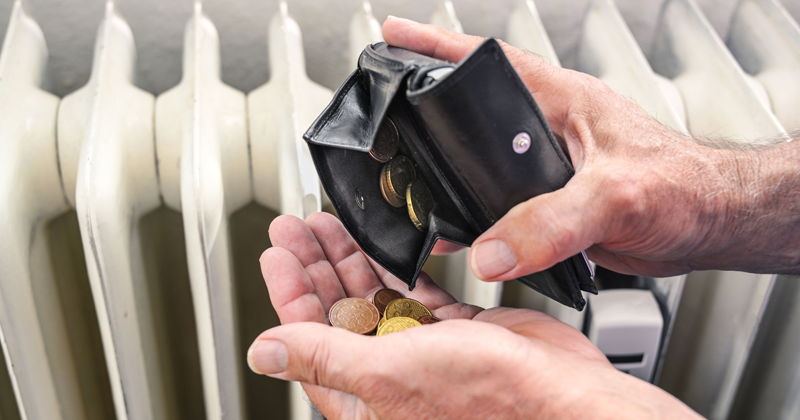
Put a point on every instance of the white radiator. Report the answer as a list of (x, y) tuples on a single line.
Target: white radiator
[(132, 222)]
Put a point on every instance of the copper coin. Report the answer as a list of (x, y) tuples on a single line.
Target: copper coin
[(397, 324), (383, 297), (395, 177), (420, 203), (408, 308), (428, 320), (387, 141), (354, 314)]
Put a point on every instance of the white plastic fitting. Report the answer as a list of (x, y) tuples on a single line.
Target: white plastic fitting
[(626, 325)]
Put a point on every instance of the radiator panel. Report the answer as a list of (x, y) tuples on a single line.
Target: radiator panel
[(709, 347), (279, 112), (720, 100), (204, 171), (164, 256), (766, 42), (249, 231), (36, 344), (113, 184), (364, 30), (609, 52), (770, 381), (157, 214)]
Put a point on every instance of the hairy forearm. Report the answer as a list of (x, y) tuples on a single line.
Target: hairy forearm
[(761, 223)]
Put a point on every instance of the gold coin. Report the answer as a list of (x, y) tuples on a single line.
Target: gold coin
[(354, 314), (383, 297), (408, 308), (420, 203), (397, 324), (381, 322), (387, 141), (395, 177)]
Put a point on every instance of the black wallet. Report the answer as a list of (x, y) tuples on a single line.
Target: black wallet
[(413, 149)]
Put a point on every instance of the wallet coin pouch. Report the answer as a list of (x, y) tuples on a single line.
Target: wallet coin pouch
[(413, 149)]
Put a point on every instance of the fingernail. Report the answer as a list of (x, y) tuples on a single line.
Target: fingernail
[(492, 258), (267, 357), (398, 18)]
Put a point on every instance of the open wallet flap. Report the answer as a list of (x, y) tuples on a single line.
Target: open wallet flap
[(458, 130)]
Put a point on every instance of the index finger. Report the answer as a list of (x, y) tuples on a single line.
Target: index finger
[(360, 275), (291, 291), (294, 235)]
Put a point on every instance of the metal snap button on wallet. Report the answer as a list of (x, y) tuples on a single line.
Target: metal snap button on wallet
[(413, 149)]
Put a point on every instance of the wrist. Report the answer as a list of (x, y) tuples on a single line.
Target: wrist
[(759, 204), (616, 395)]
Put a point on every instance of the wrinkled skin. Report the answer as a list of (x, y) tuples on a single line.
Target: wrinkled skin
[(643, 201), (499, 363)]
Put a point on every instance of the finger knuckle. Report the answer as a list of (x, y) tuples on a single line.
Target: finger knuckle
[(562, 243), (382, 381), (319, 370), (593, 96), (622, 193), (593, 85)]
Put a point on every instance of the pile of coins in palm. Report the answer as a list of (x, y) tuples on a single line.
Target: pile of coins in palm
[(388, 312), (399, 184)]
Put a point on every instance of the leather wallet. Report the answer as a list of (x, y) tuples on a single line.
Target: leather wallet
[(474, 136)]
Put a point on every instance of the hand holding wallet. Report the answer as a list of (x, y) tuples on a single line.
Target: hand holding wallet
[(467, 140)]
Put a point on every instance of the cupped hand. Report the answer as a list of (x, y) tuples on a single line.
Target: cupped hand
[(475, 364), (643, 200)]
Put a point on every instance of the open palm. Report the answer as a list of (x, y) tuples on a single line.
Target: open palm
[(512, 364)]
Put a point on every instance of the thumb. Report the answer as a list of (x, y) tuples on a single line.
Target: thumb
[(313, 353), (537, 234)]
